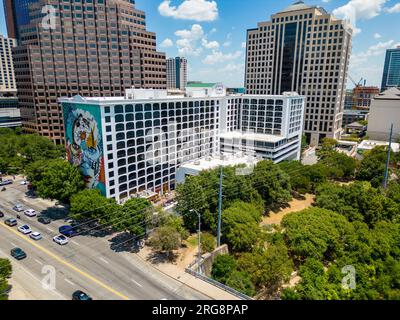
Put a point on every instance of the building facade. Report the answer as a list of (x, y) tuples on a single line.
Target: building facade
[(96, 48), (138, 142), (303, 49), (17, 14), (391, 70), (177, 73), (385, 111), (7, 74), (10, 116), (362, 97)]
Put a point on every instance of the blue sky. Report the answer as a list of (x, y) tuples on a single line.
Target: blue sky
[(210, 34)]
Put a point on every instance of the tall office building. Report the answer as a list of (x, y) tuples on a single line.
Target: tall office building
[(391, 72), (94, 48), (7, 77), (303, 49), (176, 73), (16, 14)]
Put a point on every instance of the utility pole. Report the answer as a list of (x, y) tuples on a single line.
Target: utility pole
[(199, 253), (219, 207), (385, 182)]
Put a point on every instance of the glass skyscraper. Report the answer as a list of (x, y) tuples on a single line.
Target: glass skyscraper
[(391, 71), (17, 15)]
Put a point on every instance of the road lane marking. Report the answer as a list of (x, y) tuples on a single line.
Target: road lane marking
[(137, 283), (69, 265), (69, 281), (13, 244), (104, 260), (39, 262), (51, 230), (75, 243)]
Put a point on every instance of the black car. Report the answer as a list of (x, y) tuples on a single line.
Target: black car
[(1, 214), (11, 222), (80, 295), (44, 220), (18, 253)]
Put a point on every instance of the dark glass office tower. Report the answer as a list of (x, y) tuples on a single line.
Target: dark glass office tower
[(17, 15), (391, 72)]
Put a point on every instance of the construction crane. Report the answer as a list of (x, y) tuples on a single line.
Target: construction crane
[(359, 82)]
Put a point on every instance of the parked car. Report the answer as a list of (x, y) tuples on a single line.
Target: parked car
[(5, 182), (80, 295), (11, 222), (25, 229), (35, 236), (61, 239), (44, 220), (67, 231), (24, 182), (18, 253), (18, 207), (1, 214), (30, 213)]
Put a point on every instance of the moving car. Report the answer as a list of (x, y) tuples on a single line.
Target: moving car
[(30, 213), (67, 231), (18, 207), (24, 183), (35, 236), (11, 222), (80, 295), (18, 253), (5, 182), (61, 239), (44, 220), (24, 229)]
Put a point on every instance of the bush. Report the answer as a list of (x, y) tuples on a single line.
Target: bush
[(208, 242), (224, 265)]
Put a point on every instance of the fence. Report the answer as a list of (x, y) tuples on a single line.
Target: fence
[(217, 284)]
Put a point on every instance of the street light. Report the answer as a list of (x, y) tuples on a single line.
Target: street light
[(199, 240)]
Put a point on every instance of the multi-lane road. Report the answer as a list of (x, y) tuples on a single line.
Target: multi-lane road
[(86, 263)]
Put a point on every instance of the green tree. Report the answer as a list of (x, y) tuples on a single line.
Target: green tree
[(223, 266), (5, 273), (90, 204), (271, 183), (208, 242), (339, 165), (57, 180), (241, 282), (240, 226), (133, 216), (373, 165), (166, 239)]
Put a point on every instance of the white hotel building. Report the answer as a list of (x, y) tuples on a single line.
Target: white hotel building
[(138, 142)]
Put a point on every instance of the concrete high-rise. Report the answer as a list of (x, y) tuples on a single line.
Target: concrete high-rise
[(391, 72), (96, 48), (176, 73), (303, 49), (7, 76)]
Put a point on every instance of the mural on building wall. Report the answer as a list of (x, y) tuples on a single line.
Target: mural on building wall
[(84, 143)]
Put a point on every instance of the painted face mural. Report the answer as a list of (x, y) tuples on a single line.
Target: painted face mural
[(84, 144)]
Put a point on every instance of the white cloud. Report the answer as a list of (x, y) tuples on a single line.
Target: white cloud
[(188, 42), (167, 43), (209, 44), (394, 9), (197, 10), (373, 51), (326, 1), (227, 43), (244, 45), (217, 57), (356, 10), (213, 30), (377, 36)]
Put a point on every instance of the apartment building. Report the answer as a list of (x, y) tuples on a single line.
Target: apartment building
[(95, 48), (391, 70), (303, 49), (7, 75), (177, 73), (126, 145)]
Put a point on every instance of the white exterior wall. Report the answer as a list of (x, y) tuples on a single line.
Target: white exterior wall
[(382, 114)]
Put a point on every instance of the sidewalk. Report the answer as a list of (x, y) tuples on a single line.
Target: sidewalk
[(179, 274)]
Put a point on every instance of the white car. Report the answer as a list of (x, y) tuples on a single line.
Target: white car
[(35, 236), (24, 183), (18, 207), (24, 229), (30, 213), (61, 240)]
